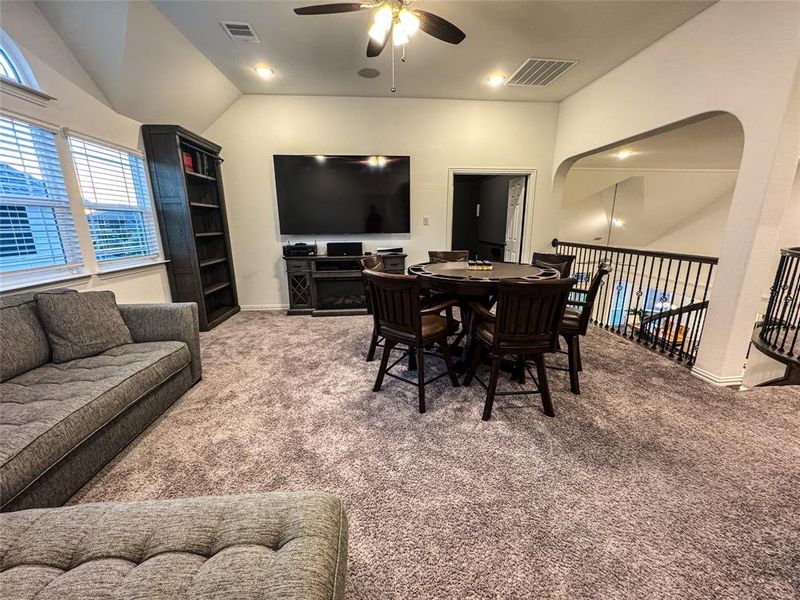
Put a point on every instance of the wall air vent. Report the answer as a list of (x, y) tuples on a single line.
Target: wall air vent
[(540, 72), (240, 32)]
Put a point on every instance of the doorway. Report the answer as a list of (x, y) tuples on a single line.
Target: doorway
[(488, 213)]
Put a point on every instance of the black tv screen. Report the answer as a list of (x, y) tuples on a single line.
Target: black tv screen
[(320, 195)]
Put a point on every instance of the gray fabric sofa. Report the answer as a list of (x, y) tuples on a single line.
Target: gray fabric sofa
[(60, 423), (290, 546)]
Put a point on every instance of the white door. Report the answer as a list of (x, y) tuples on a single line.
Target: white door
[(516, 199)]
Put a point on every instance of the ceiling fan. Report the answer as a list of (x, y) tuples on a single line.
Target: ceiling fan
[(392, 18)]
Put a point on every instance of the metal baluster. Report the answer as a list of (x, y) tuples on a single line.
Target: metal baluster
[(785, 319), (692, 317), (628, 311), (701, 318), (676, 321), (639, 295), (660, 301)]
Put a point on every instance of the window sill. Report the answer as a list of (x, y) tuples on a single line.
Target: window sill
[(31, 286), (120, 270), (23, 92)]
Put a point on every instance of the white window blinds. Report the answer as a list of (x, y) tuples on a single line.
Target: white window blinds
[(116, 200), (37, 232)]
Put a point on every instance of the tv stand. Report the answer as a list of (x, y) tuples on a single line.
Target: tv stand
[(327, 286)]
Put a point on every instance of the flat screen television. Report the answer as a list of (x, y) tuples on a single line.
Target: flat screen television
[(327, 195)]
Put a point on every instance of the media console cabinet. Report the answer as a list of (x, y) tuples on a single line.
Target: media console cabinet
[(326, 286)]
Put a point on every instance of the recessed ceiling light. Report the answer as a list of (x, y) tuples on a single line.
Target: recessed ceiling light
[(496, 80), (265, 72), (618, 222), (623, 154)]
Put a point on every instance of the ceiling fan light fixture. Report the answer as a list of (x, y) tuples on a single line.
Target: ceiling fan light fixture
[(378, 32), (384, 16), (409, 22), (399, 36)]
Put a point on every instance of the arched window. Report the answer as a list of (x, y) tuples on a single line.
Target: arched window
[(13, 65)]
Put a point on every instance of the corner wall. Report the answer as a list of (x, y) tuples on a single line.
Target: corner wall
[(695, 69), (438, 135)]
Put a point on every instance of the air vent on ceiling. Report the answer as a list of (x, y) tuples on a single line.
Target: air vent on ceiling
[(540, 71), (240, 32)]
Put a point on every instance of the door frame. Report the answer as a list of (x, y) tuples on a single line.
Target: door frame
[(527, 219)]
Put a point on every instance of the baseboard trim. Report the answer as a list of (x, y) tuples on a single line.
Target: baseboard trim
[(730, 381), (264, 306)]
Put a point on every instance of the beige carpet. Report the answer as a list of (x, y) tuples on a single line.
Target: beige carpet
[(651, 484)]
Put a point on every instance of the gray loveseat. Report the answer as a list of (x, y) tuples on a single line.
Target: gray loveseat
[(60, 423), (287, 546)]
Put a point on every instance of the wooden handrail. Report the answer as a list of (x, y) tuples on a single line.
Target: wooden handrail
[(710, 260)]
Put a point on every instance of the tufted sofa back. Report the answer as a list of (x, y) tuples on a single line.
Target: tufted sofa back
[(23, 342)]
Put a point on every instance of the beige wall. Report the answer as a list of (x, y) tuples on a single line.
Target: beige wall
[(438, 135), (81, 107), (697, 69)]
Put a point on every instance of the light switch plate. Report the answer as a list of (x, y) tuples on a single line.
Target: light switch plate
[(426, 220)]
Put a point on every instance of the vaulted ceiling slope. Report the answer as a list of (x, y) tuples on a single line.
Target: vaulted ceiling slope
[(321, 55), (143, 65)]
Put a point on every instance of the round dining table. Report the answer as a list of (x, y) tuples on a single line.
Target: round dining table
[(455, 278), (468, 285)]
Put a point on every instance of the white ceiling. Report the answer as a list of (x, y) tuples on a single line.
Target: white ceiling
[(144, 66), (320, 55), (711, 144)]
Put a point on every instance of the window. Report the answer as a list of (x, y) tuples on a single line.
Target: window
[(13, 66), (7, 68), (36, 227), (116, 200)]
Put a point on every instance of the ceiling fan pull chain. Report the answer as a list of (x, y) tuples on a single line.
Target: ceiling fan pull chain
[(394, 88), (403, 59)]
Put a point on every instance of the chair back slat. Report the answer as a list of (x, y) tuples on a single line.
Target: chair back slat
[(529, 313), (591, 296), (395, 301), (373, 262), (439, 256), (560, 262)]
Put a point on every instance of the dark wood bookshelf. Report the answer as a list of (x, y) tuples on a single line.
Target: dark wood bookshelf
[(190, 199)]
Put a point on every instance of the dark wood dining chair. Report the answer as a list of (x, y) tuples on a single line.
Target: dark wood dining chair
[(560, 262), (401, 320), (372, 262), (448, 255), (576, 323), (527, 323)]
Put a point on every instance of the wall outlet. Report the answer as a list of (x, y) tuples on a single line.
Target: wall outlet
[(426, 220)]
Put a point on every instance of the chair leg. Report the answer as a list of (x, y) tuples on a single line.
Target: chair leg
[(387, 349), (412, 359), (578, 352), (474, 357), (572, 354), (373, 344), (448, 361), (490, 389), (544, 388), (420, 375), (519, 370)]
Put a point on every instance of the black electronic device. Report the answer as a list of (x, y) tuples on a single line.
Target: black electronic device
[(300, 249), (333, 195), (394, 250), (345, 249)]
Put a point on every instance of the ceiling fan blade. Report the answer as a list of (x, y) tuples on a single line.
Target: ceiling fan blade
[(439, 28), (375, 48), (330, 9)]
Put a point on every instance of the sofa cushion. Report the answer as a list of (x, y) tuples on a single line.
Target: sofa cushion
[(290, 546), (81, 325), (49, 410), (23, 342)]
